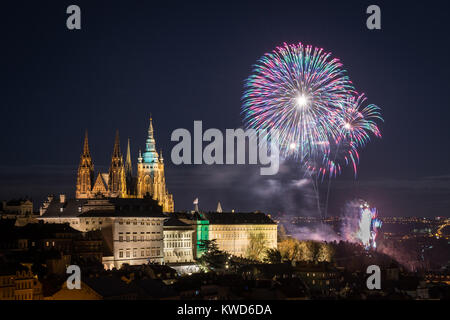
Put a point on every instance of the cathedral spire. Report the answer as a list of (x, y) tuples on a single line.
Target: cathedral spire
[(150, 145), (86, 144), (150, 154), (85, 175), (150, 128), (116, 180), (116, 151), (128, 165)]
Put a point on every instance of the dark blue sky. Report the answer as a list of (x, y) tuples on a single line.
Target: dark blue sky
[(187, 61)]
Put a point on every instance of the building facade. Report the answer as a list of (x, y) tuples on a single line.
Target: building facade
[(19, 283), (234, 231), (21, 207), (119, 181), (132, 229), (20, 210), (178, 241)]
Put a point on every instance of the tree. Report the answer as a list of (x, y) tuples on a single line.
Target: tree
[(281, 234), (326, 253), (212, 258), (307, 251), (289, 249), (273, 256), (256, 247)]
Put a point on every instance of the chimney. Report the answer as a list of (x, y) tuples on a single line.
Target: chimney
[(62, 198)]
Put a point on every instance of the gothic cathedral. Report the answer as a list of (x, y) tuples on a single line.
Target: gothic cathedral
[(119, 181)]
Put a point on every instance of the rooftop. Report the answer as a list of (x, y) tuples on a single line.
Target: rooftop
[(238, 218), (105, 207)]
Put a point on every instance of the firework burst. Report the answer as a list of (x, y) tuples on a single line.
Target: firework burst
[(306, 96), (296, 90), (357, 121)]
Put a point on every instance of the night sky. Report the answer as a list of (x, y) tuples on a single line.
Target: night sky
[(188, 61)]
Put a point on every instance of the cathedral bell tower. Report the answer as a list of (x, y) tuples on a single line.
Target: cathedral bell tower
[(150, 179), (116, 180), (85, 176)]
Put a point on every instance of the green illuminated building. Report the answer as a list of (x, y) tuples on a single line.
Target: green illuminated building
[(201, 231)]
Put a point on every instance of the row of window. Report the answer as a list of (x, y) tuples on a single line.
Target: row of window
[(320, 275), (7, 293), (143, 252), (177, 235), (142, 222), (93, 222), (271, 228), (6, 280), (177, 244), (320, 282), (23, 285), (177, 254), (241, 236), (26, 296), (142, 237)]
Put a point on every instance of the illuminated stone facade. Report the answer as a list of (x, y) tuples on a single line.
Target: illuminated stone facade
[(233, 231), (19, 283), (132, 229), (119, 182), (150, 177), (178, 241)]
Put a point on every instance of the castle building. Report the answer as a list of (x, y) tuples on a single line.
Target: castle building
[(131, 229), (119, 182), (178, 241), (233, 232)]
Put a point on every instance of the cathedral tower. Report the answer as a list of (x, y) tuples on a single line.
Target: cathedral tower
[(128, 165), (151, 180), (130, 180), (85, 176), (116, 180)]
